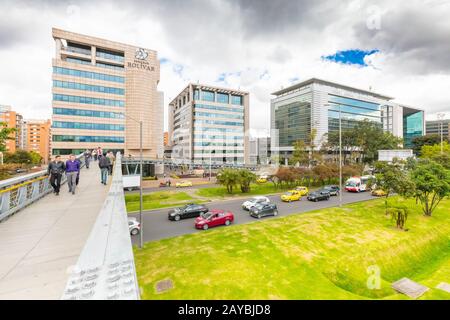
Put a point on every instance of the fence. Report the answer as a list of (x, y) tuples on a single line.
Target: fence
[(19, 192)]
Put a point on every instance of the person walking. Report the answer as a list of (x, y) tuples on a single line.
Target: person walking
[(99, 153), (112, 158), (104, 163), (72, 171), (56, 169), (87, 158)]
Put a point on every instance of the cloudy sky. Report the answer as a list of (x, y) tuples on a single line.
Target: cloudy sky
[(398, 48)]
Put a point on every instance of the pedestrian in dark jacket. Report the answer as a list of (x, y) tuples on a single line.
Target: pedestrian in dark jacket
[(56, 169), (72, 171), (87, 158), (104, 164)]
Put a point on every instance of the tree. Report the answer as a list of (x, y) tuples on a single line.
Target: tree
[(5, 134), (431, 151), (432, 184), (391, 178), (300, 155), (245, 178), (349, 143), (399, 215), (322, 173), (228, 178), (23, 157), (371, 138), (427, 140)]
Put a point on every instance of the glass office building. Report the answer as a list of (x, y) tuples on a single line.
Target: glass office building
[(318, 104), (209, 123), (101, 90)]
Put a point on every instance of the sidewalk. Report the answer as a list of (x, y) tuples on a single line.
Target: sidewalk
[(40, 243)]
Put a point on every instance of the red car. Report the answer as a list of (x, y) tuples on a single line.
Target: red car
[(214, 218)]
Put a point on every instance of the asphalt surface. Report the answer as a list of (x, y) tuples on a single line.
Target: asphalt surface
[(158, 226)]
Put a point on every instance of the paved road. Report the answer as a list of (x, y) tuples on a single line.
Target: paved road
[(157, 226)]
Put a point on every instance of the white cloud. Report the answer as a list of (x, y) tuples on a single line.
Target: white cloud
[(257, 48)]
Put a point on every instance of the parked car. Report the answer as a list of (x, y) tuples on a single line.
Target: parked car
[(253, 201), (214, 218), (333, 189), (261, 180), (379, 193), (303, 190), (263, 210), (191, 210), (319, 195), (184, 183), (292, 195), (134, 226)]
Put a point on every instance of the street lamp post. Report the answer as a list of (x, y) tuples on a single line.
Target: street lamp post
[(340, 158), (141, 234)]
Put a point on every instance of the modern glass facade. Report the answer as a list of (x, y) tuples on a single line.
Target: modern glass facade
[(88, 100), (352, 112), (87, 87), (88, 74), (293, 122), (88, 126), (73, 138), (412, 127), (88, 113), (211, 125)]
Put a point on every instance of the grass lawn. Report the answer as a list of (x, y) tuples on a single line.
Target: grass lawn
[(323, 254), (156, 200), (256, 189)]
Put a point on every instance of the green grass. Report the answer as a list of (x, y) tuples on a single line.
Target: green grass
[(157, 200), (318, 255), (256, 189)]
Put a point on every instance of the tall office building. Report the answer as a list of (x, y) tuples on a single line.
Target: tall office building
[(209, 122), (435, 127), (101, 91), (38, 136), (315, 104)]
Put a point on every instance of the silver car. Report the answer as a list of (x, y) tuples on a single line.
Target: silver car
[(134, 226)]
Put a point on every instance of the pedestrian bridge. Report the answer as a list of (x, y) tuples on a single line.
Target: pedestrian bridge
[(67, 246)]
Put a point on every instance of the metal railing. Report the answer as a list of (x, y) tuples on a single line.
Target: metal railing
[(19, 192), (105, 269)]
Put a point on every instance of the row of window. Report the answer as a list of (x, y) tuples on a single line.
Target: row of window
[(208, 107), (219, 144), (87, 87), (214, 137), (218, 122), (88, 113), (355, 110), (217, 151), (88, 100), (109, 66), (212, 96), (88, 126), (80, 61), (218, 115), (109, 55), (71, 138), (88, 74), (203, 129), (77, 151)]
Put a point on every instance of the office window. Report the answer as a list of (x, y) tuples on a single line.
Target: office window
[(208, 96), (87, 87), (88, 126), (222, 98), (88, 75), (88, 113), (236, 100), (72, 138), (88, 100)]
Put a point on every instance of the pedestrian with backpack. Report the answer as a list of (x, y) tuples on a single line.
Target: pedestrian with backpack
[(104, 164)]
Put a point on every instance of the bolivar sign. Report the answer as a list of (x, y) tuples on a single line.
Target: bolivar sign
[(140, 61)]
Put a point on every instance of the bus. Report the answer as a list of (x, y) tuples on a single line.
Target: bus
[(358, 184)]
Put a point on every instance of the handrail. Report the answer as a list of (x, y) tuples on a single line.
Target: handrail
[(105, 269), (18, 192)]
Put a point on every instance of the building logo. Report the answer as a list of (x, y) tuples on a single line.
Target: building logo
[(141, 54)]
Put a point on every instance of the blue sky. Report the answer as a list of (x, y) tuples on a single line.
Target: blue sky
[(352, 56)]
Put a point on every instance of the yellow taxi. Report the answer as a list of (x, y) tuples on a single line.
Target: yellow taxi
[(379, 193), (303, 190), (183, 183), (261, 180), (292, 195)]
